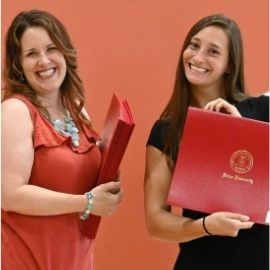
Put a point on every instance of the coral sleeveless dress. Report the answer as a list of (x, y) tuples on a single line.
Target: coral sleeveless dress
[(53, 242)]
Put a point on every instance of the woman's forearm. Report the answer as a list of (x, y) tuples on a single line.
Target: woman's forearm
[(34, 200), (171, 227)]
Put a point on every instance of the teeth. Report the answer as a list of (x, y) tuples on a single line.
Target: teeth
[(199, 69), (46, 74)]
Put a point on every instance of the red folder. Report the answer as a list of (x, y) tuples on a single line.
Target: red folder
[(222, 165), (115, 136)]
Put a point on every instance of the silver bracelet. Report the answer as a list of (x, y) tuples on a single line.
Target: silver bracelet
[(90, 199)]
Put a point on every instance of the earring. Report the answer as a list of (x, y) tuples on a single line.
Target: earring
[(21, 79), (18, 73)]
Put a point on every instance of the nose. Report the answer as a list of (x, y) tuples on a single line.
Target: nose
[(43, 59), (199, 56)]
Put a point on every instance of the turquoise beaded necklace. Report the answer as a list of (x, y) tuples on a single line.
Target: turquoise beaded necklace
[(67, 128)]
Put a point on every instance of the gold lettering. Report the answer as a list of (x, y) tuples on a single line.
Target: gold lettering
[(227, 175), (248, 180), (237, 177)]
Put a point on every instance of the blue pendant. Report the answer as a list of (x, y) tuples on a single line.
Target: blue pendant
[(68, 128)]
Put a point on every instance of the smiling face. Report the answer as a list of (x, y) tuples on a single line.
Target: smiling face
[(205, 59), (43, 65)]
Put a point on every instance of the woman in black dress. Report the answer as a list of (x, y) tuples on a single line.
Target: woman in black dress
[(210, 76)]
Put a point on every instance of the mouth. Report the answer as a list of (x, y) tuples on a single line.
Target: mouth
[(198, 69), (45, 74)]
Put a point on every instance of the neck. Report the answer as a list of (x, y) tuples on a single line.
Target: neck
[(200, 96), (54, 105)]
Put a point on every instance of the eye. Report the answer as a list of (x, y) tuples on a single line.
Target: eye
[(52, 49), (214, 52), (31, 54), (193, 45)]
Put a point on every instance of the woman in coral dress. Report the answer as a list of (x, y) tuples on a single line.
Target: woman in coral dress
[(50, 158)]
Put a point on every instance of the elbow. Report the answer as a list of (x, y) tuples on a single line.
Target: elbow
[(5, 207), (151, 229), (154, 229), (7, 203)]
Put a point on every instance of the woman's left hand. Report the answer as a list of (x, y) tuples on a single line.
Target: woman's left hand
[(221, 105)]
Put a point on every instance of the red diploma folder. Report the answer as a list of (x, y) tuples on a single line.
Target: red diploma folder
[(222, 165), (115, 136)]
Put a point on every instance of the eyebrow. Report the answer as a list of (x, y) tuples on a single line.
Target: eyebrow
[(28, 50), (212, 44), (33, 49)]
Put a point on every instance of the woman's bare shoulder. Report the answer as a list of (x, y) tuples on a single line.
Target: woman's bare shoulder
[(14, 106)]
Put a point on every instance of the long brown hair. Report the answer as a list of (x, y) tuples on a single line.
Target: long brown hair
[(72, 90), (176, 109)]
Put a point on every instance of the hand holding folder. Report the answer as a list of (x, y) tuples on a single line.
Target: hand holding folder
[(115, 136), (222, 165)]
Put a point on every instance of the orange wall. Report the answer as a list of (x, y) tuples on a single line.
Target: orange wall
[(131, 47)]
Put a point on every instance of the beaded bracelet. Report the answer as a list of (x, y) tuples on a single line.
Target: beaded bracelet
[(204, 227), (90, 199)]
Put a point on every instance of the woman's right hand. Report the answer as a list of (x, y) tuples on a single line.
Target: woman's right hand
[(107, 198), (221, 105), (227, 223)]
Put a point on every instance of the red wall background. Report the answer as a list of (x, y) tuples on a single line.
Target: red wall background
[(131, 47)]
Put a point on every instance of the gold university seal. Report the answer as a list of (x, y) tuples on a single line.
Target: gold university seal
[(241, 161)]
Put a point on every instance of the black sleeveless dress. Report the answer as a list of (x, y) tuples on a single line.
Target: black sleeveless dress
[(250, 249)]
